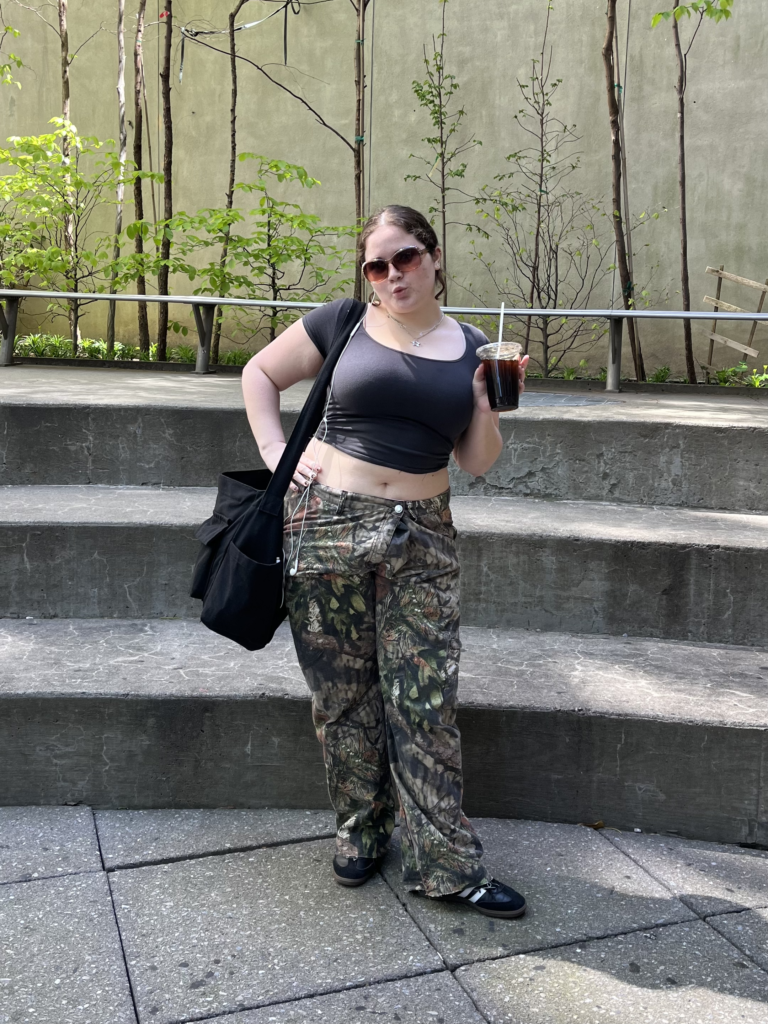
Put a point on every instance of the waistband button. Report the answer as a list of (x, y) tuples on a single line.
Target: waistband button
[(398, 509)]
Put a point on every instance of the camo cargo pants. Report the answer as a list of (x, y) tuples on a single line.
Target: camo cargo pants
[(374, 610)]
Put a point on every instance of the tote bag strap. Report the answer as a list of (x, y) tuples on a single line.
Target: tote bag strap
[(312, 413)]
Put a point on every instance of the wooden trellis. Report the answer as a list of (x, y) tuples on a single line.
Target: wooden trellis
[(718, 303)]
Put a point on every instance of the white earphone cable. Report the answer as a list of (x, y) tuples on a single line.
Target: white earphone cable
[(291, 562)]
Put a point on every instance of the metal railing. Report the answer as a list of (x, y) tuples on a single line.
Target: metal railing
[(203, 308)]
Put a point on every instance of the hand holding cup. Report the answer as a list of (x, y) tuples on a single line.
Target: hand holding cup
[(503, 369)]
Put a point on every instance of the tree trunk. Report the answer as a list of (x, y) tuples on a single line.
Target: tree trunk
[(536, 262), (684, 278), (273, 282), (538, 79), (64, 40), (165, 243), (443, 164), (69, 227), (232, 164), (618, 220), (359, 150), (138, 190), (123, 155), (633, 326), (545, 346)]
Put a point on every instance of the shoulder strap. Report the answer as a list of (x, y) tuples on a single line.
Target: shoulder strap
[(312, 413)]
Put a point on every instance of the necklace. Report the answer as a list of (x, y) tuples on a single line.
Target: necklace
[(415, 340)]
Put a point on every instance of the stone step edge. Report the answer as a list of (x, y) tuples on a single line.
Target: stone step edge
[(186, 507), (698, 780), (706, 685)]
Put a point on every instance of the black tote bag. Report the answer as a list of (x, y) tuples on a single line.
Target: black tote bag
[(239, 571)]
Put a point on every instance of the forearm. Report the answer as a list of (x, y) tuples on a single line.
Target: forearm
[(480, 444)]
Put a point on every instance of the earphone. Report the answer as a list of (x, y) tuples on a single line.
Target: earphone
[(294, 568)]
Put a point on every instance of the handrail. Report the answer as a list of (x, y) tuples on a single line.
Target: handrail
[(203, 313)]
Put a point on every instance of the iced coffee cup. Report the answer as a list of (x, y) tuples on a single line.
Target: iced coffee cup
[(501, 363)]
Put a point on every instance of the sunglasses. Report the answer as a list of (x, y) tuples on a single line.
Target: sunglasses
[(406, 259)]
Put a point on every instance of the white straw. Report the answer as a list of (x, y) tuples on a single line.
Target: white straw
[(501, 331)]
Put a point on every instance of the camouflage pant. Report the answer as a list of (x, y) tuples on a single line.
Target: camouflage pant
[(374, 609)]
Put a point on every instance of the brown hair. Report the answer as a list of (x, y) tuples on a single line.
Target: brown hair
[(409, 220)]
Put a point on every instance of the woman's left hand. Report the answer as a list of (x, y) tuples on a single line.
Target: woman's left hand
[(480, 391)]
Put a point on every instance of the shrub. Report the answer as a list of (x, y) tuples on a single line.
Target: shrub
[(182, 354), (42, 346), (235, 357)]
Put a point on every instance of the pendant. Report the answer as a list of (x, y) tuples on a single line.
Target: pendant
[(416, 344)]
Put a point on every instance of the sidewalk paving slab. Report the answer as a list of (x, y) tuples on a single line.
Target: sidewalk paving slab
[(60, 955), (748, 930), (130, 838), (235, 932), (38, 842), (710, 878), (430, 999), (574, 885), (684, 974)]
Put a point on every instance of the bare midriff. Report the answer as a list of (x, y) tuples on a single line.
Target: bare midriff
[(346, 473)]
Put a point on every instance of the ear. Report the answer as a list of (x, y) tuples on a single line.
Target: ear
[(437, 256)]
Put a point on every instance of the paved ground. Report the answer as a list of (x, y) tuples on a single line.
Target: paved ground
[(115, 917)]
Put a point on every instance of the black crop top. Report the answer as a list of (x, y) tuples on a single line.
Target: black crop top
[(392, 408)]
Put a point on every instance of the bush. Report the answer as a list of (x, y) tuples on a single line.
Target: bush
[(758, 380), (41, 346), (93, 349), (660, 375), (235, 357), (182, 354)]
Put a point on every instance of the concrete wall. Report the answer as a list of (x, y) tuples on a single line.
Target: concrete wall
[(490, 45)]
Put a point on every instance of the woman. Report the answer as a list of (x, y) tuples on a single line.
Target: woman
[(372, 582)]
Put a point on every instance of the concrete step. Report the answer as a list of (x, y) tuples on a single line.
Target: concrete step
[(647, 734), (115, 427), (101, 552)]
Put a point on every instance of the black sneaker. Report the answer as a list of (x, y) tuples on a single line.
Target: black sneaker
[(494, 899), (353, 870)]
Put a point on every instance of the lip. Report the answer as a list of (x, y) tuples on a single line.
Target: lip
[(399, 291)]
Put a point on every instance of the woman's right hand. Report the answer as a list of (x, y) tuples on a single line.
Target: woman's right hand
[(306, 471)]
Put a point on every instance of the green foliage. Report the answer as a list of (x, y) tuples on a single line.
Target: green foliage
[(275, 250), (235, 357), (58, 180), (660, 375), (56, 346), (444, 164), (571, 372), (182, 354), (91, 348), (9, 62), (556, 242), (758, 380), (740, 375), (551, 235), (44, 345), (717, 10), (55, 184)]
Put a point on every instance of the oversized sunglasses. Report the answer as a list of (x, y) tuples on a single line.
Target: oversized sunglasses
[(406, 259)]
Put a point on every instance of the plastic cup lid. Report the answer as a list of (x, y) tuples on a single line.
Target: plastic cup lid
[(506, 350)]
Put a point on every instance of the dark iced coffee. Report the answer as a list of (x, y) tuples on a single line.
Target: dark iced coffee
[(501, 363)]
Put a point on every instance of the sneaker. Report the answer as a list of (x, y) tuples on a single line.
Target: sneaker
[(354, 870), (494, 899)]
